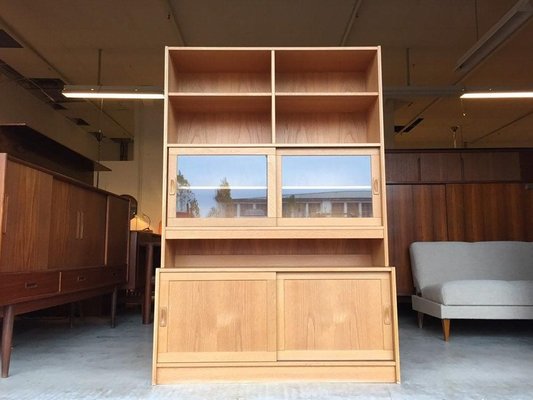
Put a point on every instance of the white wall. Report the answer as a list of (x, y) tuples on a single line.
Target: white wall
[(142, 177)]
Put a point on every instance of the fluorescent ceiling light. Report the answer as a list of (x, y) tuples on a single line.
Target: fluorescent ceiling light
[(498, 95), (112, 92), (495, 36)]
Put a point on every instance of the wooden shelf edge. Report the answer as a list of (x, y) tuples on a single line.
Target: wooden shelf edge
[(276, 145), (219, 94), (275, 233), (307, 269)]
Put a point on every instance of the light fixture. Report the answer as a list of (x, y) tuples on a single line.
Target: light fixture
[(497, 95), (112, 92), (495, 36)]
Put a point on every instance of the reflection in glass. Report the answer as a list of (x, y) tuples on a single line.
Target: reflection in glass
[(326, 186), (221, 186)]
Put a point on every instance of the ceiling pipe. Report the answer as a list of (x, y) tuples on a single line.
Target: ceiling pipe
[(174, 20), (56, 71), (520, 7), (497, 35), (351, 22)]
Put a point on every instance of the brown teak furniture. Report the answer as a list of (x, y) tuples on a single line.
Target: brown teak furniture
[(274, 248), (61, 241)]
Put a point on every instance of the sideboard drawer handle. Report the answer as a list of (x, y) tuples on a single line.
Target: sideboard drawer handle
[(81, 278), (30, 285)]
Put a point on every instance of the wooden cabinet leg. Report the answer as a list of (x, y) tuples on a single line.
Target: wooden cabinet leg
[(420, 319), (7, 338), (147, 308), (114, 306), (446, 329)]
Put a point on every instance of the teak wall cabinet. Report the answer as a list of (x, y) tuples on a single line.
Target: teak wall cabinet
[(274, 252), (61, 241)]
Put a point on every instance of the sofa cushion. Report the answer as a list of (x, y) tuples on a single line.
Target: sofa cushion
[(481, 293)]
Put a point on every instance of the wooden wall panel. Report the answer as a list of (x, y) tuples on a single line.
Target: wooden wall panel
[(440, 167), (402, 167), (491, 166), (429, 204), (455, 212), (474, 225), (400, 228), (415, 213)]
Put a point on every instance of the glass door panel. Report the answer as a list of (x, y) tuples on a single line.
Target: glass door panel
[(326, 186), (221, 186)]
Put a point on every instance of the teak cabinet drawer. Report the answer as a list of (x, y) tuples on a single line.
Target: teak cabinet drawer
[(81, 279), (15, 288)]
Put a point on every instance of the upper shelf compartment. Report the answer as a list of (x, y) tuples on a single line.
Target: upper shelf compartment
[(219, 71), (326, 71)]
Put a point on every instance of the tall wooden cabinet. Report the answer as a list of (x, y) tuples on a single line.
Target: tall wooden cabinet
[(275, 257)]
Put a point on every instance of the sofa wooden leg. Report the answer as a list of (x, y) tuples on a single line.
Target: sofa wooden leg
[(420, 319), (7, 338), (446, 329)]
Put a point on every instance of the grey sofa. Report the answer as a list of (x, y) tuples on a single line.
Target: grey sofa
[(480, 280)]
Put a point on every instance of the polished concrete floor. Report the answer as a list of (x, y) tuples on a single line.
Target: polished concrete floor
[(483, 360)]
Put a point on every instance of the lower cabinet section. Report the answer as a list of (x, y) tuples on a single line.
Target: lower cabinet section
[(276, 324), (334, 316), (213, 317)]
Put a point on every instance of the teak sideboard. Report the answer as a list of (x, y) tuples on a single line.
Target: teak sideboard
[(61, 241), (274, 243)]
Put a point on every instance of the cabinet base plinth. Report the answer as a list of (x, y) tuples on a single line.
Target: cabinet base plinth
[(324, 373)]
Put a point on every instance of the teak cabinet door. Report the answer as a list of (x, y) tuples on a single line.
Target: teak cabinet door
[(216, 317), (334, 316), (78, 226), (25, 219)]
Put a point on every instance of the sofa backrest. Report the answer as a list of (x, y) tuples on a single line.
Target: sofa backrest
[(439, 262)]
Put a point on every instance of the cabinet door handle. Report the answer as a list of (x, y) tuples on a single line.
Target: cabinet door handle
[(375, 186), (77, 224), (6, 207), (82, 224), (387, 315), (30, 285), (172, 187), (163, 317), (81, 278)]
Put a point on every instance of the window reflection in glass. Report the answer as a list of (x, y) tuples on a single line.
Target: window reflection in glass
[(221, 186), (326, 186)]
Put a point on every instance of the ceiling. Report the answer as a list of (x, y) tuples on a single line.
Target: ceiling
[(421, 42)]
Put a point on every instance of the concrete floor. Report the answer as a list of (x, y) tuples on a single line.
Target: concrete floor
[(483, 360)]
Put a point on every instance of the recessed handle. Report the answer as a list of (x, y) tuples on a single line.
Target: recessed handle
[(82, 224), (81, 278), (375, 186), (78, 223), (30, 285), (163, 317), (387, 315), (6, 207), (172, 187)]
